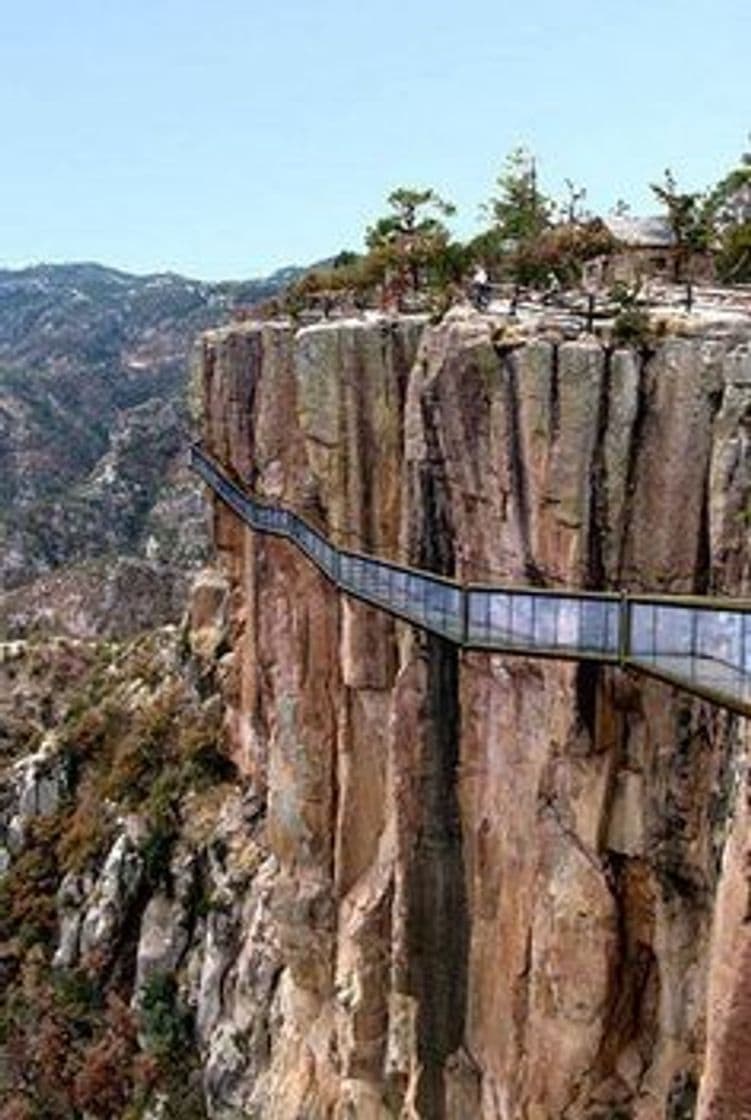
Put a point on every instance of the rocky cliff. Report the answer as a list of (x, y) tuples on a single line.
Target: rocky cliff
[(502, 888), (294, 860)]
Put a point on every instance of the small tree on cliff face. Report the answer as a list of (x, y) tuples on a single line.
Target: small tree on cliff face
[(413, 236)]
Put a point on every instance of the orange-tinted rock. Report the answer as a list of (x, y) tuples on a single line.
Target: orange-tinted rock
[(503, 888)]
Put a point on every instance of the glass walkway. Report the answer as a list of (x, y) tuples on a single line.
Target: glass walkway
[(700, 644)]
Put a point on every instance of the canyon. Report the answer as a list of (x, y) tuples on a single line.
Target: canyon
[(93, 494), (362, 873)]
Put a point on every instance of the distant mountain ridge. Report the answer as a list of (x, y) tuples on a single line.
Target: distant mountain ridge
[(93, 367)]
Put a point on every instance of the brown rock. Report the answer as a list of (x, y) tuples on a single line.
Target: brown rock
[(503, 887)]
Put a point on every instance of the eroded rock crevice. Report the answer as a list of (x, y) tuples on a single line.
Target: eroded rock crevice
[(438, 920)]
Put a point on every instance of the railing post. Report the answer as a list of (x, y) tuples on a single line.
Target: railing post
[(465, 614), (624, 629)]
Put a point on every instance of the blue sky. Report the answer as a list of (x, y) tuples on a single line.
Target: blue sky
[(227, 138)]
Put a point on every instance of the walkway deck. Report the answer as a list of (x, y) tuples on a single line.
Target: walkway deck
[(700, 644)]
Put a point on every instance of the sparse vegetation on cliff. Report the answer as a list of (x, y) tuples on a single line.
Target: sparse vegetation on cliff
[(531, 240), (134, 743)]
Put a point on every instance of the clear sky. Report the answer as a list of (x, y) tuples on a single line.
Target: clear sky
[(225, 138)]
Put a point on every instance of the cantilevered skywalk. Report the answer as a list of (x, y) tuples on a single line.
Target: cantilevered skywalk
[(700, 644)]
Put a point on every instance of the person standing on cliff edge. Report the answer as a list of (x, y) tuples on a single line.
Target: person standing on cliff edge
[(480, 288)]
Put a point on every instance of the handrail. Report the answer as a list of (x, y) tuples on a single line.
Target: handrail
[(698, 643)]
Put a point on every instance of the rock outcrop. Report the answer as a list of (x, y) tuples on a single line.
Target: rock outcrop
[(502, 888), (295, 860)]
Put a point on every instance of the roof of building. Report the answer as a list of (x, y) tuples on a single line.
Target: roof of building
[(653, 232)]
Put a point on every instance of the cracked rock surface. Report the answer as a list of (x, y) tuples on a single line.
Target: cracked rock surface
[(505, 887)]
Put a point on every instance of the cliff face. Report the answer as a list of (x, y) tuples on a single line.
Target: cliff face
[(495, 887)]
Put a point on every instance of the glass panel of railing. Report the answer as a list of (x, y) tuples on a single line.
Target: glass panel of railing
[(282, 521), (643, 630), (357, 575), (489, 616), (384, 584), (540, 622), (379, 582), (546, 623), (264, 517), (437, 604), (664, 630), (429, 593), (675, 631), (455, 613), (360, 576), (522, 629), (719, 636), (250, 511), (695, 646), (345, 570), (415, 608), (568, 623), (302, 535), (399, 590), (598, 631), (445, 609), (233, 499), (321, 554), (369, 578), (328, 560)]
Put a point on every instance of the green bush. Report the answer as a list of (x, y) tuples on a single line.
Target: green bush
[(165, 1023), (631, 327)]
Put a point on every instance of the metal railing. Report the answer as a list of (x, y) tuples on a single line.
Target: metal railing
[(590, 307), (700, 644)]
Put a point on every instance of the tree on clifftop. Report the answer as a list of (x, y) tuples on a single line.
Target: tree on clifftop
[(731, 199), (691, 217), (520, 214), (719, 218), (412, 237), (519, 209)]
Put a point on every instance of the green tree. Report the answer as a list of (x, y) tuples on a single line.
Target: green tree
[(692, 219), (731, 197), (734, 259), (519, 210), (731, 200), (413, 237)]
